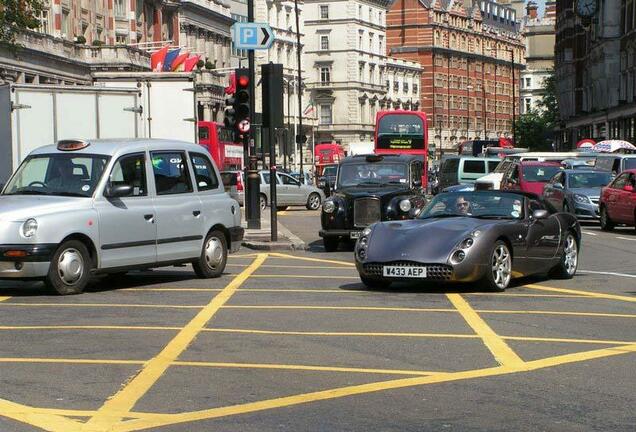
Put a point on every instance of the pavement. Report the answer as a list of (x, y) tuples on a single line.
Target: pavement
[(260, 239), (292, 341)]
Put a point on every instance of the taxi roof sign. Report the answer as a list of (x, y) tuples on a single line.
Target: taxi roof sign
[(72, 145)]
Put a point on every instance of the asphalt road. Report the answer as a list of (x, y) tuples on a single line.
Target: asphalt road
[(293, 342)]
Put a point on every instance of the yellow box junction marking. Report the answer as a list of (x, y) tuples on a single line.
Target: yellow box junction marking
[(120, 404), (502, 352), (4, 298), (585, 293)]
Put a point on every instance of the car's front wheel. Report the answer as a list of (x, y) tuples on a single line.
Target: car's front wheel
[(213, 259), (606, 222), (499, 271), (313, 202), (70, 268), (375, 283), (566, 269)]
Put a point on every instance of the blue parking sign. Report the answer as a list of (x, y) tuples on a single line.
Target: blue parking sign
[(252, 36)]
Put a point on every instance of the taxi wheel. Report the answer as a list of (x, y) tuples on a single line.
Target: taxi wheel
[(70, 268), (213, 259)]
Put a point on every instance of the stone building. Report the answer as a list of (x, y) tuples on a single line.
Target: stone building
[(348, 74), (596, 72), (539, 34), (470, 52)]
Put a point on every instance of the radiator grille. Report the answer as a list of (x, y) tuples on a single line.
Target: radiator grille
[(366, 211)]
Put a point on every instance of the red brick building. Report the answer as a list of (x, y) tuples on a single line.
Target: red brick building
[(469, 52)]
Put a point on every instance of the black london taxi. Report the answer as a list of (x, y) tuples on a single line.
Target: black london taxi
[(369, 189)]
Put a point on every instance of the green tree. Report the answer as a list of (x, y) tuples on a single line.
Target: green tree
[(548, 102), (532, 131), (16, 16)]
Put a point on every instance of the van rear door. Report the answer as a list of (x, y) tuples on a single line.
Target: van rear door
[(471, 169)]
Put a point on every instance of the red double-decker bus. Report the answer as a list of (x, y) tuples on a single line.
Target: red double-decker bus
[(403, 132), (219, 141)]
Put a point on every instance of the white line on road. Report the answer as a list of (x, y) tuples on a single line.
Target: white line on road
[(608, 273), (590, 233), (626, 238)]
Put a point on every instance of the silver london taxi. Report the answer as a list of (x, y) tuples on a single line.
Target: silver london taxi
[(107, 206)]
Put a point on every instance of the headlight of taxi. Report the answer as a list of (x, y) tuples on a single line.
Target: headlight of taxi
[(581, 199), (405, 205), (29, 227), (329, 206)]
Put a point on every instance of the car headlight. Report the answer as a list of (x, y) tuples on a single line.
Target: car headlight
[(329, 206), (475, 233), (405, 205), (29, 227), (458, 257), (467, 243), (581, 199), (366, 232)]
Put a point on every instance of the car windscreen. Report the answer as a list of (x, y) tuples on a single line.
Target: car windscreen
[(486, 205), (330, 170), (589, 179), (539, 173), (377, 173), (58, 174), (630, 163)]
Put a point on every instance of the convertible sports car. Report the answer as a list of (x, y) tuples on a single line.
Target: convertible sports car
[(487, 236)]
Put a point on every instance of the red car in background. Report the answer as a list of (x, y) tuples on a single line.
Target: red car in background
[(529, 176), (618, 201)]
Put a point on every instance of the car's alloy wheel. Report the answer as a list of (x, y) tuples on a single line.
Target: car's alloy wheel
[(606, 222), (213, 257), (571, 255), (501, 266), (70, 268), (313, 202)]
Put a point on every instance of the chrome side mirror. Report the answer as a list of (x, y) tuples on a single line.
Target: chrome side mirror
[(540, 214)]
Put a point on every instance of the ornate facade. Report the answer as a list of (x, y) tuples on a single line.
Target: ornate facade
[(472, 54)]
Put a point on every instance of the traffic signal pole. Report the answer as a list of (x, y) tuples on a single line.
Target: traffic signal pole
[(252, 193), (300, 133)]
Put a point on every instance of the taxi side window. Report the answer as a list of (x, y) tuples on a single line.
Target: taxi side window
[(204, 173), (171, 173), (130, 170)]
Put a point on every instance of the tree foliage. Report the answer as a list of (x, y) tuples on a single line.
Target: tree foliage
[(535, 129), (16, 16)]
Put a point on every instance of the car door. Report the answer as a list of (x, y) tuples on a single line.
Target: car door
[(294, 192), (127, 228), (614, 196), (209, 190), (543, 234), (178, 208), (624, 202)]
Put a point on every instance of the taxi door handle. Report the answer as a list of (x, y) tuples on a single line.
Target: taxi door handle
[(196, 213), (149, 217)]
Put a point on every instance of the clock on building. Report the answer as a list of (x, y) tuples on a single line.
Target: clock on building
[(586, 8)]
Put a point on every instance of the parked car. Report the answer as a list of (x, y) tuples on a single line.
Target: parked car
[(487, 236), (369, 189), (615, 163), (107, 206), (327, 179), (464, 169), (529, 176), (308, 179), (577, 191), (289, 191), (618, 201)]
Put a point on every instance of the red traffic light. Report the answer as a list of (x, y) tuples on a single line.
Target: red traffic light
[(243, 81)]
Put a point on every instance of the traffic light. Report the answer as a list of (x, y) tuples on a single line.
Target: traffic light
[(229, 115), (242, 101)]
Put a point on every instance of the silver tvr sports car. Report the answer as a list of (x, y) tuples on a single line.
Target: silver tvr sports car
[(488, 236)]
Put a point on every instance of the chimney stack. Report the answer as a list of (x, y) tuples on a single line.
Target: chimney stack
[(532, 9)]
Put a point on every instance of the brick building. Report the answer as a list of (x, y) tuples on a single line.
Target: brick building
[(470, 52)]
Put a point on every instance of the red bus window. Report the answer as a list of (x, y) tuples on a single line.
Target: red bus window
[(400, 132), (204, 133)]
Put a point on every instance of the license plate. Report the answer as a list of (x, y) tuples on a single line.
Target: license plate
[(405, 272), (354, 234)]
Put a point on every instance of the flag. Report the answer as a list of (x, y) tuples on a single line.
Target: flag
[(170, 58), (190, 63), (309, 109), (178, 62), (157, 58)]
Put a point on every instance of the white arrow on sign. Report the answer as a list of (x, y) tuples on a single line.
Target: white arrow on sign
[(252, 36)]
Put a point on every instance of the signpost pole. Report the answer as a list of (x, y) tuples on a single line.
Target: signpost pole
[(300, 90), (252, 193)]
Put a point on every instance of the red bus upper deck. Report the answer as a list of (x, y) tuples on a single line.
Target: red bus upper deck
[(219, 141)]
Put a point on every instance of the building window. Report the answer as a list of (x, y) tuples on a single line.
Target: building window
[(120, 9), (415, 89), (65, 30), (388, 84), (121, 39), (139, 8), (325, 75), (324, 42), (361, 72), (381, 45), (528, 82), (528, 105), (325, 114), (360, 35), (370, 41), (405, 87), (396, 86), (360, 12), (324, 11), (44, 21)]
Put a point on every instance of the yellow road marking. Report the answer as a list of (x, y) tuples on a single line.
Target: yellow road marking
[(118, 407), (87, 327), (253, 255), (179, 289), (566, 340), (70, 361), (105, 305), (4, 298), (585, 293), (341, 334), (504, 355), (287, 276), (525, 295), (33, 417), (169, 419), (282, 213), (565, 313), (319, 260), (348, 308), (317, 267)]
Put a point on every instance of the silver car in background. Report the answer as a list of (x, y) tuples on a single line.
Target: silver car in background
[(107, 206), (577, 191)]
